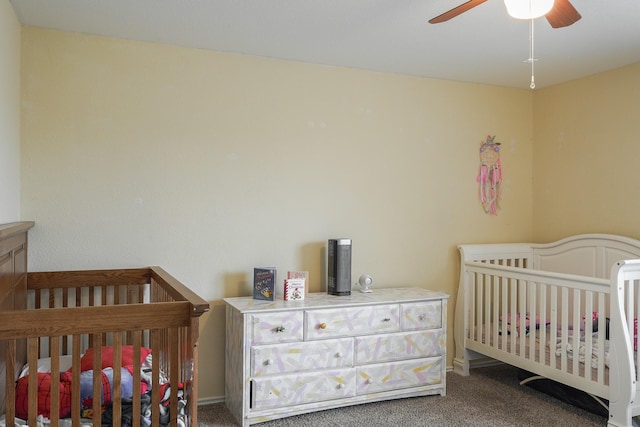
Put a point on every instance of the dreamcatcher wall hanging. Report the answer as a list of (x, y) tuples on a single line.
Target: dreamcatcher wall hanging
[(490, 175)]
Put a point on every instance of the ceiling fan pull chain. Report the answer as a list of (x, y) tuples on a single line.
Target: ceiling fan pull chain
[(531, 56)]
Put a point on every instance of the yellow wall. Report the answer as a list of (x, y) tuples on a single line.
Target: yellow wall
[(586, 157), (209, 164), (9, 114)]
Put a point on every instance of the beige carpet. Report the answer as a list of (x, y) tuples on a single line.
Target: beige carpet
[(490, 397)]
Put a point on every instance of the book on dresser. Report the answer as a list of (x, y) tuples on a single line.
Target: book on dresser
[(328, 351), (294, 289), (300, 275), (264, 283)]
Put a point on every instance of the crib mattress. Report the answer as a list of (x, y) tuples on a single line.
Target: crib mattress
[(529, 349)]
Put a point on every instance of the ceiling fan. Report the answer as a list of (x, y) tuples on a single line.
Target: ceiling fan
[(562, 14)]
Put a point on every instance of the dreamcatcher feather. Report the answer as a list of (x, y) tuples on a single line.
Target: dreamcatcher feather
[(490, 175)]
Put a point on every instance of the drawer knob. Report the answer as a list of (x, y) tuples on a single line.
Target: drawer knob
[(279, 329), (422, 317), (268, 362), (339, 354), (386, 319), (341, 385), (322, 325)]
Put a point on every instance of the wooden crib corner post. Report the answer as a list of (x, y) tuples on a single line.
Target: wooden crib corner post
[(461, 320)]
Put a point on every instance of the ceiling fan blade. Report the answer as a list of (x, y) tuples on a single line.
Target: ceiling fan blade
[(563, 14), (457, 11)]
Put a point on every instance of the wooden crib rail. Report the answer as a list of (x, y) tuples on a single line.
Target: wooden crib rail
[(174, 289), (46, 322)]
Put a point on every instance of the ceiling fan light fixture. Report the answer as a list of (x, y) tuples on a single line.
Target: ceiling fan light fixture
[(528, 9)]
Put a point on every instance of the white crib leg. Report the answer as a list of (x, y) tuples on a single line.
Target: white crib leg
[(461, 364), (619, 415)]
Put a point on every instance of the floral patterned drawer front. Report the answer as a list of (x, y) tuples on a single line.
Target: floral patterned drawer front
[(399, 375), (294, 389), (276, 327), (299, 356), (397, 346), (342, 322), (421, 315)]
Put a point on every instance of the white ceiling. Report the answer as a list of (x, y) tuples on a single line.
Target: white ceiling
[(483, 45)]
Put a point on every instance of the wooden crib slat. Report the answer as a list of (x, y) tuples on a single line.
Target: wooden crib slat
[(116, 397), (75, 382), (54, 348), (97, 375), (155, 382), (32, 344), (10, 395), (174, 372), (192, 343), (136, 404)]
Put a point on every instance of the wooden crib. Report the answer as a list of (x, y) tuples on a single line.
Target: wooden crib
[(129, 336), (566, 311)]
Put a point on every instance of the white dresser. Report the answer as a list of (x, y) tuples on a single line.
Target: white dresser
[(286, 358)]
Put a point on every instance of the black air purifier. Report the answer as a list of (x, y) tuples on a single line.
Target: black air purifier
[(339, 267)]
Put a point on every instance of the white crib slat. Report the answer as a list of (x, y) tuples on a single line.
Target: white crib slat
[(601, 337), (482, 290), (495, 303), (588, 333), (543, 324), (495, 314), (522, 308), (504, 311), (471, 331), (575, 365), (533, 309), (513, 309), (564, 335), (487, 309), (629, 309), (633, 333), (553, 327)]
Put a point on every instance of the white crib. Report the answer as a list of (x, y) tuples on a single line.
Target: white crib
[(566, 311)]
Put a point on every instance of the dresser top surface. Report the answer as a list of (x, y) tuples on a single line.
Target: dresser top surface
[(322, 299)]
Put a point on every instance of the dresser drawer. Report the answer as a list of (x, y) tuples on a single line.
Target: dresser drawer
[(399, 375), (294, 389), (350, 321), (397, 346), (421, 315), (276, 327), (301, 356)]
